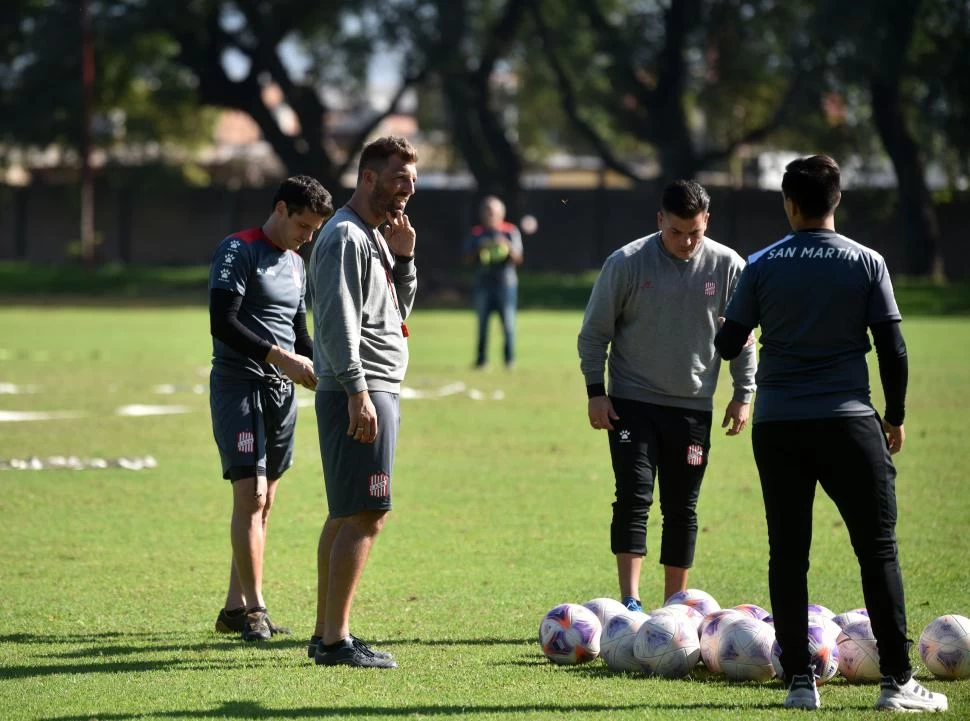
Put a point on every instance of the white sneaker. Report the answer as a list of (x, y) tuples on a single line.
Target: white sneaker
[(909, 696), (803, 693)]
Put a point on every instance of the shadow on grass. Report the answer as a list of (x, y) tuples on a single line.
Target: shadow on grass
[(255, 710)]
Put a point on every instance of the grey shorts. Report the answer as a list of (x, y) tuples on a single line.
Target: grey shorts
[(357, 475), (253, 423)]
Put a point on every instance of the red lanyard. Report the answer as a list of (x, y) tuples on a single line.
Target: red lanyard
[(386, 265)]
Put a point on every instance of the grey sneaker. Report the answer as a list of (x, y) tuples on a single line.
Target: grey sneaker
[(909, 696), (256, 626), (354, 652), (802, 693)]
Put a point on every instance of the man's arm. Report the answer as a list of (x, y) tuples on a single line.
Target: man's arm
[(730, 340), (225, 325), (338, 299), (303, 343), (893, 368), (595, 336), (405, 283)]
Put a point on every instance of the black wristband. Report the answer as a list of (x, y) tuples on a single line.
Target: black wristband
[(595, 390), (403, 258)]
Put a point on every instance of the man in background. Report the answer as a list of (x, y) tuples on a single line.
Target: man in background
[(495, 249), (656, 306), (260, 348)]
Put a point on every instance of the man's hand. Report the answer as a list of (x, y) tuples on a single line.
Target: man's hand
[(601, 413), (363, 418), (737, 415), (895, 436), (399, 234), (297, 368)]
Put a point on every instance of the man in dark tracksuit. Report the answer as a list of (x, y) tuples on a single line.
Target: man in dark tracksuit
[(260, 347), (815, 293), (656, 306)]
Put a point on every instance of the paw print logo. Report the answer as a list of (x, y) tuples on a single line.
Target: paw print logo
[(624, 436)]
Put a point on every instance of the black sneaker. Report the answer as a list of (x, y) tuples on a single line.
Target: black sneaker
[(256, 625), (311, 649), (353, 652), (231, 621)]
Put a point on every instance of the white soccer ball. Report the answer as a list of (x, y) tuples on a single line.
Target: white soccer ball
[(605, 609), (744, 650), (570, 634), (858, 654), (753, 610), (944, 646), (695, 598), (821, 610), (710, 632), (822, 646), (691, 614), (844, 619), (616, 643), (666, 645)]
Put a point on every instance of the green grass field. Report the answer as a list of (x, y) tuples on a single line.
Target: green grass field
[(111, 579)]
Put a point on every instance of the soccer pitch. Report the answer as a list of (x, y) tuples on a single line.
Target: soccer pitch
[(112, 578)]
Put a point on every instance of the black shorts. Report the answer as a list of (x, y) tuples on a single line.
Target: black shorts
[(664, 445), (357, 475), (253, 422)]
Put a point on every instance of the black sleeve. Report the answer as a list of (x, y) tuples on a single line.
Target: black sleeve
[(730, 339), (303, 343), (594, 390), (893, 368), (224, 307)]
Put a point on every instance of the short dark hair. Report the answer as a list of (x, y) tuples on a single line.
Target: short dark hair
[(685, 199), (813, 184), (302, 192), (376, 154)]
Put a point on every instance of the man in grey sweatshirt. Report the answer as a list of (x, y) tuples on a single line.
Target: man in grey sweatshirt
[(656, 306), (363, 285)]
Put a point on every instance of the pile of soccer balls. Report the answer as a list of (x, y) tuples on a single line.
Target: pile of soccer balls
[(739, 642)]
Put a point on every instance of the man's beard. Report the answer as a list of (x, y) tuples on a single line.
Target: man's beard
[(381, 203)]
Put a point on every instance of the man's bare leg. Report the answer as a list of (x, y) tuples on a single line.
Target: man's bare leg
[(628, 569), (675, 579), (348, 556), (246, 533), (327, 535)]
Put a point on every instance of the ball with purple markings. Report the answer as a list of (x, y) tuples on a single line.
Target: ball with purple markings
[(570, 634), (824, 651), (944, 646), (695, 598)]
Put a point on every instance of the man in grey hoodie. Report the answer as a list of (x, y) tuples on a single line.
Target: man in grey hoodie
[(656, 306), (363, 284)]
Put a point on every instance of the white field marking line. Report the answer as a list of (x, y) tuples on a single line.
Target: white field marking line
[(17, 416), (13, 389), (75, 464), (136, 409), (168, 389)]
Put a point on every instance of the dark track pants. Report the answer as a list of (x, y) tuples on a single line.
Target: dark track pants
[(849, 457)]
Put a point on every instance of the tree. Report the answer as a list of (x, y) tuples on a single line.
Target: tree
[(692, 81)]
